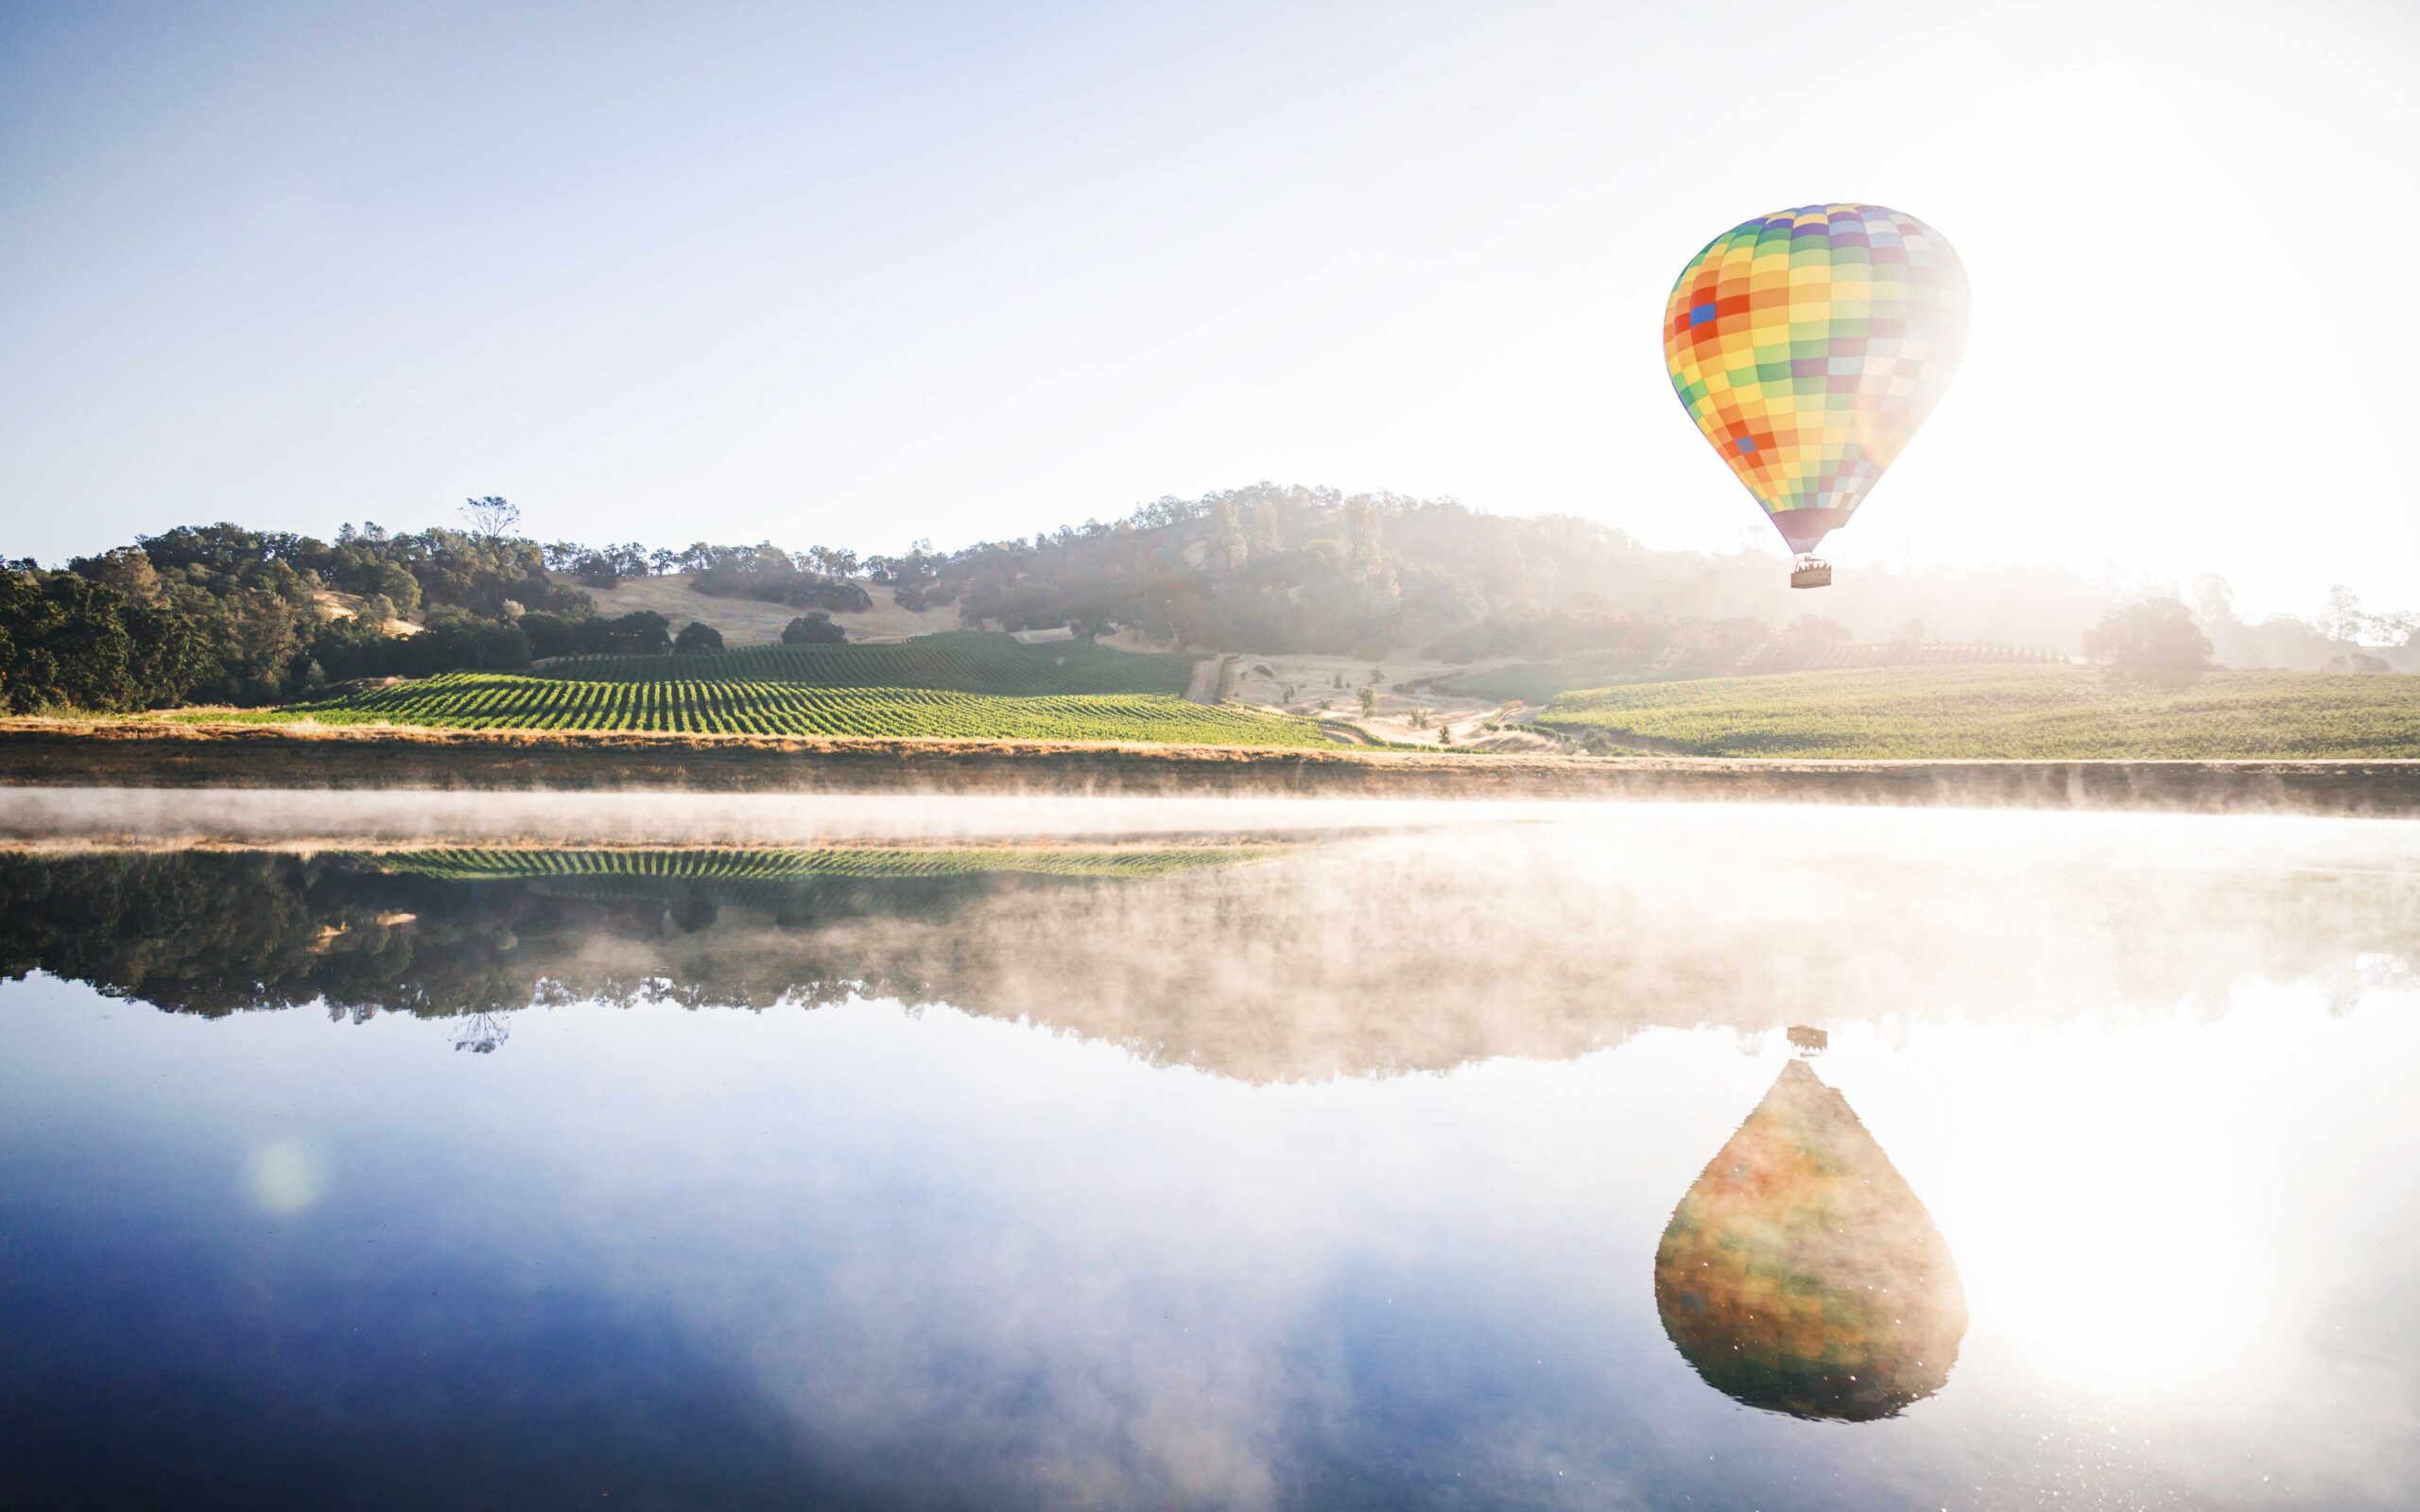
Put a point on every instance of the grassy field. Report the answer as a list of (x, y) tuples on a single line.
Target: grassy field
[(1542, 681), (509, 700), (953, 662), (2016, 713)]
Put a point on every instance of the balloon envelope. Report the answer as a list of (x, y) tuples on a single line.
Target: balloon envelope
[(1808, 345)]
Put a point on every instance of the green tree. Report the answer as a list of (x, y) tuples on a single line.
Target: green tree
[(641, 632), (814, 628), (2356, 661), (128, 570), (696, 639), (457, 638), (391, 581), (551, 634), (2156, 636), (68, 642)]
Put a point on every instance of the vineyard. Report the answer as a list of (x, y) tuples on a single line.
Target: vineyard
[(1844, 655), (954, 662), (509, 700), (2007, 713), (963, 684)]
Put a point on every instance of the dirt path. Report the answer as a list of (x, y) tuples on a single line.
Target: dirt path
[(1204, 686), (1626, 741)]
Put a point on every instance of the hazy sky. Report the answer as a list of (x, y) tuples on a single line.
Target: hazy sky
[(849, 276)]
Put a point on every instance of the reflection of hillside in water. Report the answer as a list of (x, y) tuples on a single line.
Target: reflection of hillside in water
[(1397, 954), (1801, 1275)]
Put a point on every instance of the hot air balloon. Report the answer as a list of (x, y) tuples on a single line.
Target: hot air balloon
[(1799, 1274), (1808, 345)]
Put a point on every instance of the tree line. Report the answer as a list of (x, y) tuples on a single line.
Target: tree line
[(215, 933), (219, 614), (223, 614)]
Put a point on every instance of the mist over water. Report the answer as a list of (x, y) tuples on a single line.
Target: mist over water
[(1259, 1155)]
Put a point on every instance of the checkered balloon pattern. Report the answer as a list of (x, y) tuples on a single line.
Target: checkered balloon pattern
[(1808, 345)]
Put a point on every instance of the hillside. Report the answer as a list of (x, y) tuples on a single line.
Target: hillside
[(749, 621), (2008, 713), (1310, 583), (954, 662)]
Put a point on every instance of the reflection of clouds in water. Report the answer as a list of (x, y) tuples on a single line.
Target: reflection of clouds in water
[(286, 1178), (1003, 1327), (1045, 1366), (1054, 1271)]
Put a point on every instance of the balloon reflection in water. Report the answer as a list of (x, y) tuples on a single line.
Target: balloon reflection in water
[(1801, 1275)]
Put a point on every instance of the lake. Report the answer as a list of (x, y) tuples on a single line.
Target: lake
[(482, 1152)]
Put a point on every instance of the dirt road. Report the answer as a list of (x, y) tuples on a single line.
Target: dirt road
[(1206, 677)]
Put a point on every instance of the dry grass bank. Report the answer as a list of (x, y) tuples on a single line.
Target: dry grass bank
[(753, 622), (159, 753)]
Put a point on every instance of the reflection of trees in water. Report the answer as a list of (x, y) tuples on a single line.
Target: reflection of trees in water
[(218, 933), (482, 1032), (1370, 958), (1801, 1275)]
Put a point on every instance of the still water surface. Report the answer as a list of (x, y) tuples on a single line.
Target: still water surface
[(1465, 1165)]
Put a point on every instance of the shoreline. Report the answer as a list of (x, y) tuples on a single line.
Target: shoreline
[(153, 754)]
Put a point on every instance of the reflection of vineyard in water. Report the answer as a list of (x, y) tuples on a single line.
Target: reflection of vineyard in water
[(649, 867), (1373, 955)]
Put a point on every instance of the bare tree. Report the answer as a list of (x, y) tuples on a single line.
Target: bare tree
[(490, 517), (482, 1032)]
